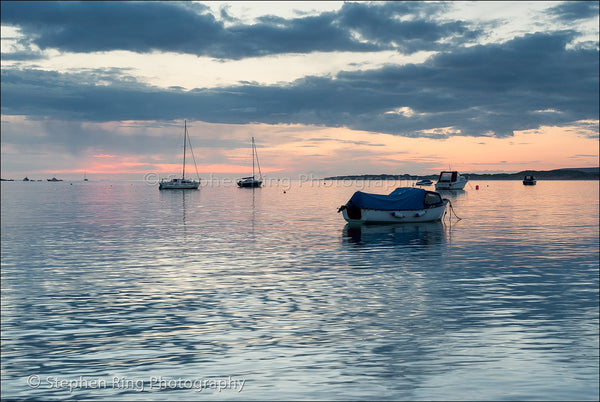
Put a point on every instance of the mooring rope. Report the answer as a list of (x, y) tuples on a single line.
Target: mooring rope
[(452, 210)]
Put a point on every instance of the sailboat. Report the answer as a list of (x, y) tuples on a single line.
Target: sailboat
[(183, 183), (252, 181)]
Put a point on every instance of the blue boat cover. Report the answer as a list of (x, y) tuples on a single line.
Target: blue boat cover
[(402, 198)]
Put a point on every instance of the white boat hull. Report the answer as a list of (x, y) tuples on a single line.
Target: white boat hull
[(178, 184), (380, 216), (457, 185)]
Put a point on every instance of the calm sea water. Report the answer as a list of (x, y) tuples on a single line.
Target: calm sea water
[(120, 291)]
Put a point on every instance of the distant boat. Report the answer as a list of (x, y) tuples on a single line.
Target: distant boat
[(252, 181), (529, 181), (85, 176), (183, 183), (451, 180), (424, 182), (404, 204), (26, 178), (54, 179)]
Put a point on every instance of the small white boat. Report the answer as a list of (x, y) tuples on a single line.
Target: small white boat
[(404, 204), (183, 183), (529, 181), (451, 180), (252, 181), (424, 182)]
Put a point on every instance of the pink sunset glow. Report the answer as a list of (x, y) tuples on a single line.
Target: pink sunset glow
[(325, 152)]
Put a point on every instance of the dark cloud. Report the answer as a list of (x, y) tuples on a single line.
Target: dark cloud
[(480, 90), (420, 31), (190, 28), (575, 10), (103, 26)]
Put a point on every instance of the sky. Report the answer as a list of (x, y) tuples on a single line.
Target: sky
[(326, 88)]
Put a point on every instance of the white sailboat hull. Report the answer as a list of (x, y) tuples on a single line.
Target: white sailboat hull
[(381, 216), (179, 184)]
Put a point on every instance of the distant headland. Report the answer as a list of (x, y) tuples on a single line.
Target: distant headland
[(556, 174)]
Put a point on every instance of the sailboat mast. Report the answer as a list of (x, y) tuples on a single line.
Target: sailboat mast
[(253, 151), (184, 143)]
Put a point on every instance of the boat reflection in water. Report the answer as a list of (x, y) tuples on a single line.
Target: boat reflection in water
[(421, 234)]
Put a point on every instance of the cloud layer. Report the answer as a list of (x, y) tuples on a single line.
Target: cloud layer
[(191, 28), (465, 88)]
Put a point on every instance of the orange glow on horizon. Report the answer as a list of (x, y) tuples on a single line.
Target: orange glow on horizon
[(296, 149)]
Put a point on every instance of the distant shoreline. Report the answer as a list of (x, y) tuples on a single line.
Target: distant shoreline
[(556, 174)]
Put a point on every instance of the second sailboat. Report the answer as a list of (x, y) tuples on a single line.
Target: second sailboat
[(252, 181)]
